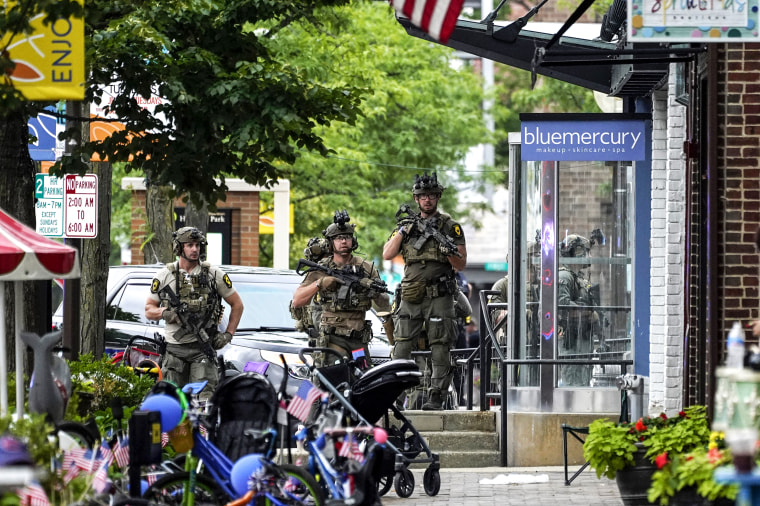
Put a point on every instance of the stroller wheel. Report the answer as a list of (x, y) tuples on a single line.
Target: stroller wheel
[(431, 481), (403, 482), (384, 484)]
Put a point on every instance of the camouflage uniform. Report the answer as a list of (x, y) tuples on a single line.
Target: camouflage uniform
[(342, 324), (576, 327), (426, 316), (202, 290)]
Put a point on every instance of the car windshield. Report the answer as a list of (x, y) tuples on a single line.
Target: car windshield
[(266, 306)]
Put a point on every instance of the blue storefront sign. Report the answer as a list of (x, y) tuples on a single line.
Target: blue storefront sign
[(44, 128), (576, 138)]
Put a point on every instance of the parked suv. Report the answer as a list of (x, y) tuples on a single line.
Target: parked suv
[(265, 331)]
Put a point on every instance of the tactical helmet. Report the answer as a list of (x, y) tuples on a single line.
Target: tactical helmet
[(185, 235), (533, 249), (316, 249), (574, 246), (426, 184), (341, 226)]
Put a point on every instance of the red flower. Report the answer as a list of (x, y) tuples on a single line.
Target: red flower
[(682, 414), (661, 460), (663, 416), (640, 425)]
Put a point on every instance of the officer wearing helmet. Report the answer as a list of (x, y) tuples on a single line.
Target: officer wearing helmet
[(199, 287), (425, 318), (342, 323), (577, 321), (308, 317)]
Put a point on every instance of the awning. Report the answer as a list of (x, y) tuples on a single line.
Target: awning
[(591, 63), (26, 256)]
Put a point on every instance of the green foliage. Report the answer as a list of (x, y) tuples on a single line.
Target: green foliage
[(230, 106), (610, 446), (418, 113), (98, 382), (693, 470)]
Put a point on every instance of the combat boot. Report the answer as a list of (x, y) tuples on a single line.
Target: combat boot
[(434, 402)]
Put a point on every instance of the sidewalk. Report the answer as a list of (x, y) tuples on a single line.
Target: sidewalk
[(462, 486)]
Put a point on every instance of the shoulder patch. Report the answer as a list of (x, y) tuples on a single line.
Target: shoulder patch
[(154, 286), (457, 231), (227, 281)]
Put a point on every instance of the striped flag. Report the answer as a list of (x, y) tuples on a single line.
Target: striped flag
[(33, 495), (300, 405), (437, 18), (121, 452), (350, 449)]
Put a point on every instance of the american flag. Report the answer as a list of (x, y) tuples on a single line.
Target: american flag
[(121, 452), (437, 18), (106, 454), (350, 449), (33, 495), (300, 405)]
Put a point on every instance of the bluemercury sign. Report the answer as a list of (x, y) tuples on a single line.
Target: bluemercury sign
[(583, 140), (693, 21)]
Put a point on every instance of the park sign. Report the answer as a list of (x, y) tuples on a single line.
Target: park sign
[(49, 60)]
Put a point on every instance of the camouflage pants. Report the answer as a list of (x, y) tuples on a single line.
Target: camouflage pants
[(186, 363), (431, 322), (343, 345)]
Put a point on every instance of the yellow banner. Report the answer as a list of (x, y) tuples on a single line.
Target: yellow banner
[(50, 60), (266, 219)]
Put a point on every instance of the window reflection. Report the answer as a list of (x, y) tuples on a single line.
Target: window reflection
[(593, 272)]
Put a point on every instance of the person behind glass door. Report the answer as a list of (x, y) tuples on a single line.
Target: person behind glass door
[(577, 321)]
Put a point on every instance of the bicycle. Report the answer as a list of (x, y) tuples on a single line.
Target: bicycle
[(214, 485), (348, 474)]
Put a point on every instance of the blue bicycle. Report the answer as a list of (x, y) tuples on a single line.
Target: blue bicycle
[(208, 475)]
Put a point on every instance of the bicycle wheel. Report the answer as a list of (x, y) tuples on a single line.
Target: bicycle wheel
[(170, 490), (296, 486)]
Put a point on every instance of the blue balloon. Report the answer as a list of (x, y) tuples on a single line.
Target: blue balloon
[(169, 407), (242, 471)]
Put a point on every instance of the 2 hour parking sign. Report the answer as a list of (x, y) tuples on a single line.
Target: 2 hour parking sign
[(81, 206)]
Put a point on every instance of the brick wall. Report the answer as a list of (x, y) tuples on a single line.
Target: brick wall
[(244, 206), (667, 251), (738, 150)]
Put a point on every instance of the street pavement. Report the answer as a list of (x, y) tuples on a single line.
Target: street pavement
[(462, 486)]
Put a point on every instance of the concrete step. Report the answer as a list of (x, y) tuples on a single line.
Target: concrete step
[(431, 421), (461, 440), (459, 459)]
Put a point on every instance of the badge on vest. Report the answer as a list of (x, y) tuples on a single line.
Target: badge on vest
[(154, 286), (227, 281), (457, 231)]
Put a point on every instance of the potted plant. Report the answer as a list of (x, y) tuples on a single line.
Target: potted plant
[(687, 478), (626, 451)]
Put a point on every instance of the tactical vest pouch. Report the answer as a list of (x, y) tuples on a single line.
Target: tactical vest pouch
[(413, 292)]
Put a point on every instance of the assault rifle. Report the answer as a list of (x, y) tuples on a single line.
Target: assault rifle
[(196, 326), (347, 276), (427, 228)]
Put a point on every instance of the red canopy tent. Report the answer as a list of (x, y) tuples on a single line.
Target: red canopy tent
[(25, 256)]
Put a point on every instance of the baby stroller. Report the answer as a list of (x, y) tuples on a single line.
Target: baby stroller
[(242, 402), (367, 396)]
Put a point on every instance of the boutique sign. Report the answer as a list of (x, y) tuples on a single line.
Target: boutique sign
[(580, 139)]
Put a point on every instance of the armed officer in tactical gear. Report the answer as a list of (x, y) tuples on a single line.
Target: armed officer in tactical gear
[(428, 289), (188, 296), (578, 321), (342, 323)]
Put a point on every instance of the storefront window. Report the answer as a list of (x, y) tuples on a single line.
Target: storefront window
[(592, 270)]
